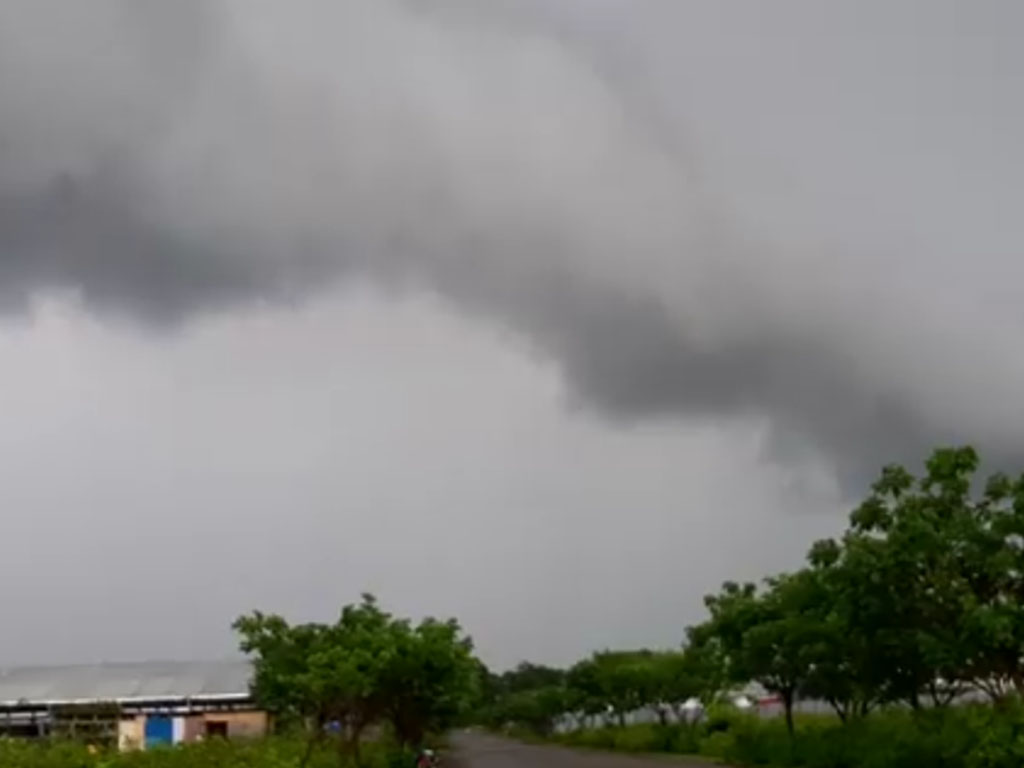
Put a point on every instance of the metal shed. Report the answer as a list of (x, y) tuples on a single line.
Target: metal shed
[(138, 704)]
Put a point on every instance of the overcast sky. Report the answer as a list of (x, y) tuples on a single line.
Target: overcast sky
[(547, 315)]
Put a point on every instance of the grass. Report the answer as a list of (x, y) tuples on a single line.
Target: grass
[(274, 752), (964, 737)]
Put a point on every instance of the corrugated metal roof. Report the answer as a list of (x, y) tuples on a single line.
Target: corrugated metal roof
[(117, 681)]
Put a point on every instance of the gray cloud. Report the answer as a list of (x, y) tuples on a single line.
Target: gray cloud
[(693, 212)]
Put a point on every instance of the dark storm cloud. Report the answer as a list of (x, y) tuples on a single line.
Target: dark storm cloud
[(78, 235), (168, 159)]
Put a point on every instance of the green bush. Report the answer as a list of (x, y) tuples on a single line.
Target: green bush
[(968, 737), (648, 737), (643, 738), (683, 740), (597, 738), (723, 718), (215, 753), (962, 737)]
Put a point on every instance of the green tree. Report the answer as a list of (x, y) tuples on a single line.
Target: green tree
[(586, 689), (529, 677), (994, 619), (614, 683), (281, 673), (537, 709), (770, 636), (706, 663), (927, 583), (322, 673), (429, 680), (367, 667), (846, 669)]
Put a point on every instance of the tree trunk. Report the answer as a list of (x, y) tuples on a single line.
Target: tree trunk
[(787, 703), (840, 710), (915, 700), (314, 739), (1017, 678), (349, 745), (315, 736)]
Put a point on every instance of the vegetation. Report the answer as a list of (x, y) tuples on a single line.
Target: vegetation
[(957, 737), (274, 752), (367, 670), (363, 692), (920, 602)]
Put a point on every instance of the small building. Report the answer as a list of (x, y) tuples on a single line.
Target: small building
[(134, 705)]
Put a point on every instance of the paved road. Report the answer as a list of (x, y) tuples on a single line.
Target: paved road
[(477, 750)]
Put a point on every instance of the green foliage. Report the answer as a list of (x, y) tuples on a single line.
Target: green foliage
[(529, 697), (775, 637), (615, 682), (427, 680), (367, 668), (607, 685), (921, 600), (277, 752), (951, 738), (636, 739), (917, 602), (967, 737)]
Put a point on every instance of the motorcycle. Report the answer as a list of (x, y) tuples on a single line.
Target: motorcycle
[(427, 759)]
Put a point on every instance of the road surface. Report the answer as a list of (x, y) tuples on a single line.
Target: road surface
[(477, 750)]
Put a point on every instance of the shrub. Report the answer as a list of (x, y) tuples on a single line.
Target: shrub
[(683, 740), (962, 737), (641, 738), (971, 737), (215, 753), (598, 738)]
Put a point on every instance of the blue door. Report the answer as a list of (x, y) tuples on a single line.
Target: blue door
[(159, 730)]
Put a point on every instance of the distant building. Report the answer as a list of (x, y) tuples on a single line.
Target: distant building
[(133, 705)]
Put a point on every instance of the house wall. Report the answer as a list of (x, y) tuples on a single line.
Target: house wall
[(194, 728), (191, 728), (178, 730), (241, 725), (130, 734)]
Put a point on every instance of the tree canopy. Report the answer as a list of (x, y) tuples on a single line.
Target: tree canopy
[(919, 601), (367, 668)]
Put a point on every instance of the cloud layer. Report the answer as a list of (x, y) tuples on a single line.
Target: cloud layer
[(694, 212)]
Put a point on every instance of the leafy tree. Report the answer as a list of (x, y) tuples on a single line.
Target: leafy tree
[(921, 599), (587, 693), (705, 663), (429, 680), (847, 669), (283, 678), (623, 677), (367, 667), (529, 677), (614, 683), (537, 709), (927, 583), (913, 540), (770, 637), (281, 673)]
